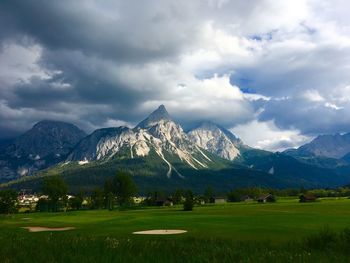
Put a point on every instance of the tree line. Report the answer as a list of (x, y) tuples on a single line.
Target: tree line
[(119, 190)]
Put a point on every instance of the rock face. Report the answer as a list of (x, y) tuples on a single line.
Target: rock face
[(160, 114), (157, 134), (216, 140), (331, 146), (46, 144), (46, 138)]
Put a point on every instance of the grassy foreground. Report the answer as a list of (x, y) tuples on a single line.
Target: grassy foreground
[(285, 231)]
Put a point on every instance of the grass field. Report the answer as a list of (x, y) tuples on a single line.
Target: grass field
[(235, 232)]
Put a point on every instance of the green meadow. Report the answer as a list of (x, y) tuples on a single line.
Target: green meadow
[(285, 231)]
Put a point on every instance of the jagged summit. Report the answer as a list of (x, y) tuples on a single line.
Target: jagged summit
[(216, 139), (211, 126), (159, 114), (328, 145), (155, 137)]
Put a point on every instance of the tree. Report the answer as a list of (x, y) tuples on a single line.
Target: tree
[(208, 195), (42, 205), (8, 201), (56, 190), (177, 197), (109, 194), (75, 203), (234, 196), (188, 204), (123, 187), (154, 198), (97, 198), (110, 201)]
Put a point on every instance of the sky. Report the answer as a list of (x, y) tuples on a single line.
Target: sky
[(276, 73)]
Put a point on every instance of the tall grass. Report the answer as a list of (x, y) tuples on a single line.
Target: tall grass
[(330, 241), (325, 246)]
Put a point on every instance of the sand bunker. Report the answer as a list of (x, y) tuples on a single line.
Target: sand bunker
[(160, 232), (43, 229)]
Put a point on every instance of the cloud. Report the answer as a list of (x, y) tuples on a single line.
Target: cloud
[(310, 118), (266, 135), (279, 66)]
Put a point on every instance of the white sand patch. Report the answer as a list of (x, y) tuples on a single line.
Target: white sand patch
[(43, 229), (160, 232)]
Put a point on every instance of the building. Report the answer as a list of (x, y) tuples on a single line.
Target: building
[(266, 198), (246, 198), (304, 198), (27, 200), (218, 200), (162, 201)]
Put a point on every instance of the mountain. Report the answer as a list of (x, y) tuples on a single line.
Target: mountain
[(46, 144), (158, 136), (160, 114), (160, 155), (216, 140), (329, 146)]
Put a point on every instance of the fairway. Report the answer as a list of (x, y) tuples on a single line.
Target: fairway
[(232, 232), (281, 221)]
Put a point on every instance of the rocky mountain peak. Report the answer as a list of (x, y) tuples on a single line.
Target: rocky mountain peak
[(328, 145), (47, 137), (45, 144), (216, 139), (156, 116)]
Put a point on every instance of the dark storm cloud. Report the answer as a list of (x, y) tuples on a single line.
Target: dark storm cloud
[(129, 31), (87, 44), (310, 117), (110, 63)]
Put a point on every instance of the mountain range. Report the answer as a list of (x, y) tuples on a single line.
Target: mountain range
[(324, 150), (160, 154)]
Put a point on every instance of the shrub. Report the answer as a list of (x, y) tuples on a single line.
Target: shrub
[(188, 204), (324, 239), (8, 201), (42, 205)]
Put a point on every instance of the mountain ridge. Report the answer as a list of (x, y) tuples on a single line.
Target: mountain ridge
[(159, 149), (328, 145), (45, 144)]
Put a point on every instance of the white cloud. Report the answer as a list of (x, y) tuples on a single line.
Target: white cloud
[(332, 106), (19, 63), (116, 123), (265, 135), (312, 95), (292, 56)]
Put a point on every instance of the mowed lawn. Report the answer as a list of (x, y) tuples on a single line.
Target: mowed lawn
[(285, 220)]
